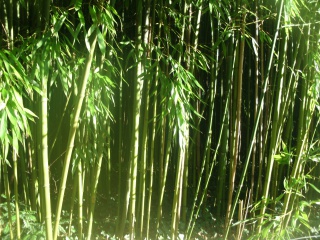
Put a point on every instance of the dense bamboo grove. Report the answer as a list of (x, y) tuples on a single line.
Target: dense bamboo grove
[(159, 119)]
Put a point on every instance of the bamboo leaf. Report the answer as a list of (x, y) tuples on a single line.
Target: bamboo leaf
[(30, 113), (314, 187), (255, 46), (93, 14), (77, 4), (16, 70), (2, 105), (58, 23), (3, 125), (40, 43), (87, 39), (303, 217), (101, 43), (17, 99), (81, 18), (15, 142), (76, 32), (11, 114), (5, 95)]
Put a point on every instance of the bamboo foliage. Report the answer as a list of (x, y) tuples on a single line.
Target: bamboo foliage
[(147, 119)]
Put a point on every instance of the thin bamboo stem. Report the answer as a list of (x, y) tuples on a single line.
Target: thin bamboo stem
[(72, 133), (16, 199), (261, 103), (44, 149)]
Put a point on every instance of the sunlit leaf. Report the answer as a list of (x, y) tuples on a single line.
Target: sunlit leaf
[(314, 187), (77, 4), (93, 14), (58, 24), (2, 105), (15, 142), (3, 125), (101, 42), (255, 46), (11, 114)]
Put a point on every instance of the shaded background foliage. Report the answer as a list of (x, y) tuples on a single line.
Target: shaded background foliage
[(150, 116)]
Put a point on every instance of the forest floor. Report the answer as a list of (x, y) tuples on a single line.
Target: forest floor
[(207, 226)]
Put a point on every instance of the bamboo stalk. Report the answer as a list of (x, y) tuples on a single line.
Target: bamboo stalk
[(237, 129), (266, 82), (305, 114), (44, 148), (138, 85), (16, 200), (96, 173), (153, 106), (73, 196), (72, 133), (146, 38), (80, 199), (193, 216), (7, 190)]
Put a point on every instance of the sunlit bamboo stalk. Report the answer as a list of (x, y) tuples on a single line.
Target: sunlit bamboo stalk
[(7, 188), (306, 109), (237, 129), (16, 199), (44, 147), (79, 184), (96, 174), (144, 120), (138, 85), (257, 120), (72, 133), (153, 109), (195, 213)]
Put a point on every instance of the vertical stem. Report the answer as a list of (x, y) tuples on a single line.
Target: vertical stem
[(305, 114), (80, 199), (153, 106), (144, 120), (73, 196), (7, 187), (72, 133), (100, 138), (257, 120), (16, 199), (237, 132), (256, 98), (44, 148), (134, 149)]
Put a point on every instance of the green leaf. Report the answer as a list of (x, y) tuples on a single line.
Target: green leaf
[(59, 23), (93, 14), (11, 113), (30, 114), (15, 142), (314, 187), (90, 31), (3, 125), (101, 43), (18, 99), (40, 43), (2, 105), (5, 94), (303, 218), (282, 158), (284, 147), (81, 18), (77, 4)]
